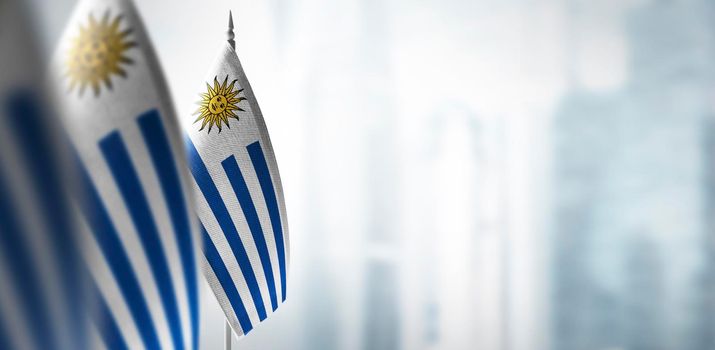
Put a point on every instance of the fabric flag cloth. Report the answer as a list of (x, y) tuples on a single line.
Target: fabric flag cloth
[(239, 197), (135, 216), (39, 279)]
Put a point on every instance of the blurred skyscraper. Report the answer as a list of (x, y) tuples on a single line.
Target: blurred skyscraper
[(705, 285), (383, 249), (629, 211)]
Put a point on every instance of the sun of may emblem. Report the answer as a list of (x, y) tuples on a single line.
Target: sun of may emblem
[(97, 53), (218, 104)]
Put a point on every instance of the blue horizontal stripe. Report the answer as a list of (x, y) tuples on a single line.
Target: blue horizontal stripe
[(116, 256), (214, 259), (218, 207), (238, 183), (154, 135), (126, 177), (269, 194)]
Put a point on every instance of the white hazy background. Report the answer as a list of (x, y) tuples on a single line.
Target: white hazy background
[(473, 174)]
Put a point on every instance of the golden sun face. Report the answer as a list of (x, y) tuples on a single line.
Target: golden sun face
[(218, 104), (97, 53)]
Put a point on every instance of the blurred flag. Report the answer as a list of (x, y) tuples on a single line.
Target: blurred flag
[(135, 213), (40, 293), (240, 198)]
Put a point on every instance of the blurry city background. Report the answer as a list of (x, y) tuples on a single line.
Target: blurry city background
[(474, 174)]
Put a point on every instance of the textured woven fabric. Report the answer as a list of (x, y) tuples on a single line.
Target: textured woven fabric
[(39, 279), (135, 212), (239, 197)]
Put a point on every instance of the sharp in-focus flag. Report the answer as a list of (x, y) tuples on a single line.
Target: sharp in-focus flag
[(40, 293), (135, 215), (239, 197)]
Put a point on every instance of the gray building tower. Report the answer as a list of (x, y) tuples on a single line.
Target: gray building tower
[(629, 269)]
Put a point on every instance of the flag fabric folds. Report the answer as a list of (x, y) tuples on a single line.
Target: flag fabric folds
[(40, 283), (134, 212), (239, 197)]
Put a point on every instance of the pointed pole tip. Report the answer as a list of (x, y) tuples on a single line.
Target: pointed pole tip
[(230, 33)]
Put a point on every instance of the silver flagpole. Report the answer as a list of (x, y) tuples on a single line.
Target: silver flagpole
[(227, 328), (230, 34), (227, 336)]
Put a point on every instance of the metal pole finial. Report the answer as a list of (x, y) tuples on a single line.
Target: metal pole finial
[(230, 33)]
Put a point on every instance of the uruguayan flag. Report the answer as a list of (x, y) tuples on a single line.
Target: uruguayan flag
[(239, 196), (135, 214), (40, 293)]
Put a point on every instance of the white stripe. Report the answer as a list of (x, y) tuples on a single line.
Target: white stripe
[(224, 249), (263, 137), (173, 131), (239, 219), (254, 188), (95, 340), (31, 218), (278, 187), (110, 195), (19, 329), (221, 296), (109, 288), (17, 325), (149, 179)]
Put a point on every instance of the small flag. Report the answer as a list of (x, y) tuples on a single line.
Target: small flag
[(135, 212), (239, 195), (40, 291)]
